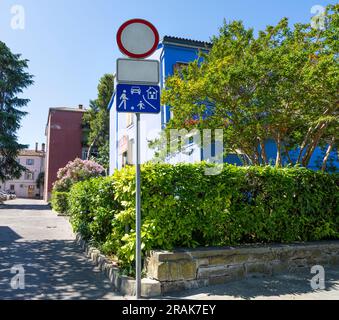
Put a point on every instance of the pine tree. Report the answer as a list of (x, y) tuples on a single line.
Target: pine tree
[(13, 80), (97, 120)]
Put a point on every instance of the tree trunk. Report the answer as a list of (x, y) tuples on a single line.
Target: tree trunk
[(328, 153), (307, 158), (288, 156), (304, 144), (278, 160), (257, 157), (263, 151), (310, 130), (91, 148)]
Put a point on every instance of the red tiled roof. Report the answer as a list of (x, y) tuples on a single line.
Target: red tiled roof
[(31, 153)]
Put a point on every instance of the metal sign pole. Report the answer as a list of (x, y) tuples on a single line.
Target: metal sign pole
[(138, 212), (134, 96)]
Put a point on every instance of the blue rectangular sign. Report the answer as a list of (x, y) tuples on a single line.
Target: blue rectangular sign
[(138, 98)]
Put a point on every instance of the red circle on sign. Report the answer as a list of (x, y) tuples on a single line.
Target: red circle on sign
[(141, 55)]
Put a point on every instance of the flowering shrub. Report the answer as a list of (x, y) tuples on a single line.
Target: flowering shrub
[(76, 171)]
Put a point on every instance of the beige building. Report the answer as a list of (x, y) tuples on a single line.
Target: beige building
[(26, 186)]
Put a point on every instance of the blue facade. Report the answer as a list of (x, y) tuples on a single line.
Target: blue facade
[(172, 53), (316, 160)]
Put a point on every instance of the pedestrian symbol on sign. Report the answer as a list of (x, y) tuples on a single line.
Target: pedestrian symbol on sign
[(141, 106), (124, 100)]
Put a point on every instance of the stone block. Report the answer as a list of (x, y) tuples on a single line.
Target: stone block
[(172, 271), (95, 255), (177, 286), (278, 267), (167, 256), (202, 262), (149, 288), (220, 280), (258, 268), (232, 271)]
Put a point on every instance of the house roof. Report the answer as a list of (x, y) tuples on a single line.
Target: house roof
[(68, 109), (187, 42), (63, 109), (31, 153)]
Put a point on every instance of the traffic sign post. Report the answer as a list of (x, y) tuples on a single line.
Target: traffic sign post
[(137, 38), (138, 257), (138, 92)]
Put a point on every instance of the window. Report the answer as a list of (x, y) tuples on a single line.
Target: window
[(12, 187), (124, 159), (29, 176), (84, 153), (30, 162), (130, 152), (179, 67)]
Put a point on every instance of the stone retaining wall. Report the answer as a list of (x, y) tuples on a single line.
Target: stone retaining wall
[(124, 285), (187, 269)]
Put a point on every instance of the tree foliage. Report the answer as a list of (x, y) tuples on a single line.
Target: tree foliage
[(13, 80), (280, 85), (97, 120)]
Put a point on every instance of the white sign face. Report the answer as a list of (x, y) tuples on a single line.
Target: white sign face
[(138, 71), (137, 38)]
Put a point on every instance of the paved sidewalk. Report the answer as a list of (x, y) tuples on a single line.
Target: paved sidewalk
[(33, 236), (280, 287)]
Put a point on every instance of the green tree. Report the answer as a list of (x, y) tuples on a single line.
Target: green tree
[(280, 85), (13, 80), (97, 120)]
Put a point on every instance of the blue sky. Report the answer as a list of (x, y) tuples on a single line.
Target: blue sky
[(71, 43)]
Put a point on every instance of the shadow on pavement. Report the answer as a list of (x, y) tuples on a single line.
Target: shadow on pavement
[(9, 235), (54, 270), (292, 284), (31, 207)]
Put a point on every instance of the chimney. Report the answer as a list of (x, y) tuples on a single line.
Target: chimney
[(43, 147), (36, 147), (81, 107)]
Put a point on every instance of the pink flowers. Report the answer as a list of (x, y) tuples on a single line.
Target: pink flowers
[(75, 171)]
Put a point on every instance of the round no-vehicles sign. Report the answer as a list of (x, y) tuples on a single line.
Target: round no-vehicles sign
[(138, 38)]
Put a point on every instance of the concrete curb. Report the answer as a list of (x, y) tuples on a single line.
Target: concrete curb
[(122, 284)]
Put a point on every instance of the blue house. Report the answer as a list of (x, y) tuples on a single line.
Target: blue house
[(173, 54)]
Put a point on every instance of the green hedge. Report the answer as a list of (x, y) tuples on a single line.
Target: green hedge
[(92, 207), (183, 207), (59, 202)]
